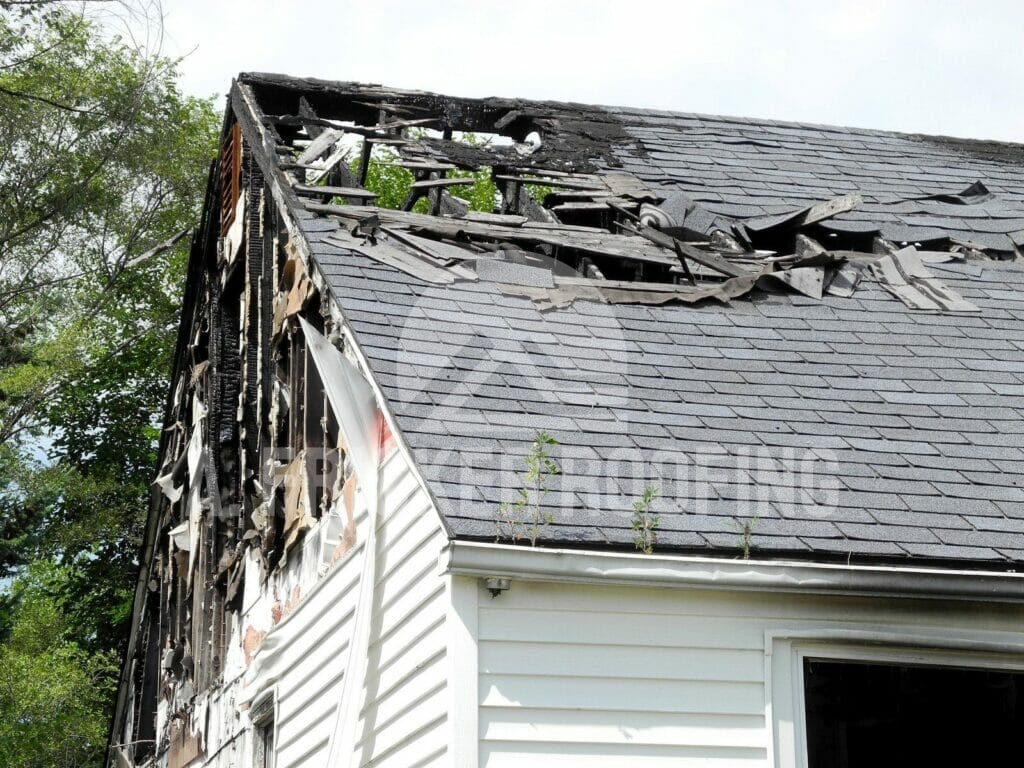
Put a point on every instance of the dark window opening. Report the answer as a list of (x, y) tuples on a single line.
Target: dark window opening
[(864, 715)]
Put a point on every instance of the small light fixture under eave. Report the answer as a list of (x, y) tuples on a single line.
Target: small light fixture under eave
[(497, 584)]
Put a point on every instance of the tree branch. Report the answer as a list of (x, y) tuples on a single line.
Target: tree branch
[(44, 100)]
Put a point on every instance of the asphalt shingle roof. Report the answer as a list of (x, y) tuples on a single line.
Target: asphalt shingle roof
[(845, 428), (745, 168), (849, 426)]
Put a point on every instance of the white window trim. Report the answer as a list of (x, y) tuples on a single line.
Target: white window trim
[(785, 651), (263, 714)]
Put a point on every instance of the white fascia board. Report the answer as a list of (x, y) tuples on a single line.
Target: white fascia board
[(468, 558)]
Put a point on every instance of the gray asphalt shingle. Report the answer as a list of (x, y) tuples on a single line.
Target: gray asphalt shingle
[(841, 428)]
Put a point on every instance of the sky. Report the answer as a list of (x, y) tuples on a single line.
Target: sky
[(951, 68)]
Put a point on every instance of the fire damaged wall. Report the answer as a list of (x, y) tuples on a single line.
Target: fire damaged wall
[(256, 494)]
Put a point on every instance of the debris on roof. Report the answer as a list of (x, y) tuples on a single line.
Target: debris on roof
[(603, 233), (903, 274)]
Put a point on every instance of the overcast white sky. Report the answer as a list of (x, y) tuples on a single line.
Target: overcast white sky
[(926, 66)]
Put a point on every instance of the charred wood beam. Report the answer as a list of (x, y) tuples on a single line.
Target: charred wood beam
[(433, 188), (517, 198), (705, 258), (329, 191)]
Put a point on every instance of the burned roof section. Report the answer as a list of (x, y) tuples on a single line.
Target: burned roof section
[(661, 289), (577, 137), (612, 228)]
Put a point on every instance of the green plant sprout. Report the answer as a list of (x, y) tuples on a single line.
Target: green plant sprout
[(746, 531), (645, 523), (525, 518)]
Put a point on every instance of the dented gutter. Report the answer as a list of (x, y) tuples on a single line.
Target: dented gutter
[(483, 560)]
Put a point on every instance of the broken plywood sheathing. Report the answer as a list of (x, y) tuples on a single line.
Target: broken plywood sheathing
[(589, 240), (297, 289), (297, 515), (810, 271), (328, 192), (805, 216), (186, 742), (407, 259), (319, 145)]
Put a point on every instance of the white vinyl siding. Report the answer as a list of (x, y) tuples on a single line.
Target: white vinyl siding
[(402, 723), (591, 676)]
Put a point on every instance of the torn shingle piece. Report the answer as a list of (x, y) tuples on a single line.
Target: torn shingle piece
[(805, 216), (904, 275)]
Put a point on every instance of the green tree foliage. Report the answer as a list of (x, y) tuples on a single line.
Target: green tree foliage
[(482, 195), (392, 183), (102, 159), (53, 692)]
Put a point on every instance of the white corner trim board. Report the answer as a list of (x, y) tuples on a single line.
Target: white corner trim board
[(469, 558)]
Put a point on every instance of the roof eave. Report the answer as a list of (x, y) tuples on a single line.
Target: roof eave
[(483, 560)]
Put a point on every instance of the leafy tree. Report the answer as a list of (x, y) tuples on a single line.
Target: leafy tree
[(102, 165), (101, 159), (53, 692)]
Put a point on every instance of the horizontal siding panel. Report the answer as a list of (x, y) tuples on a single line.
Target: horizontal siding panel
[(316, 724), (336, 598), (389, 705), (423, 597), (425, 618), (417, 573), (407, 561), (394, 517), (393, 470), (403, 718), (322, 636), (417, 717), (656, 663), (308, 751), (647, 630), (310, 701), (594, 677), (566, 692), (617, 726), (404, 713), (392, 671), (320, 646), (534, 755), (424, 748), (774, 607)]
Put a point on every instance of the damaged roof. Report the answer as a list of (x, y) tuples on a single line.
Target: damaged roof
[(873, 413)]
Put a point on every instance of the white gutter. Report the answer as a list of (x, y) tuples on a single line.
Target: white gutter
[(468, 558)]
